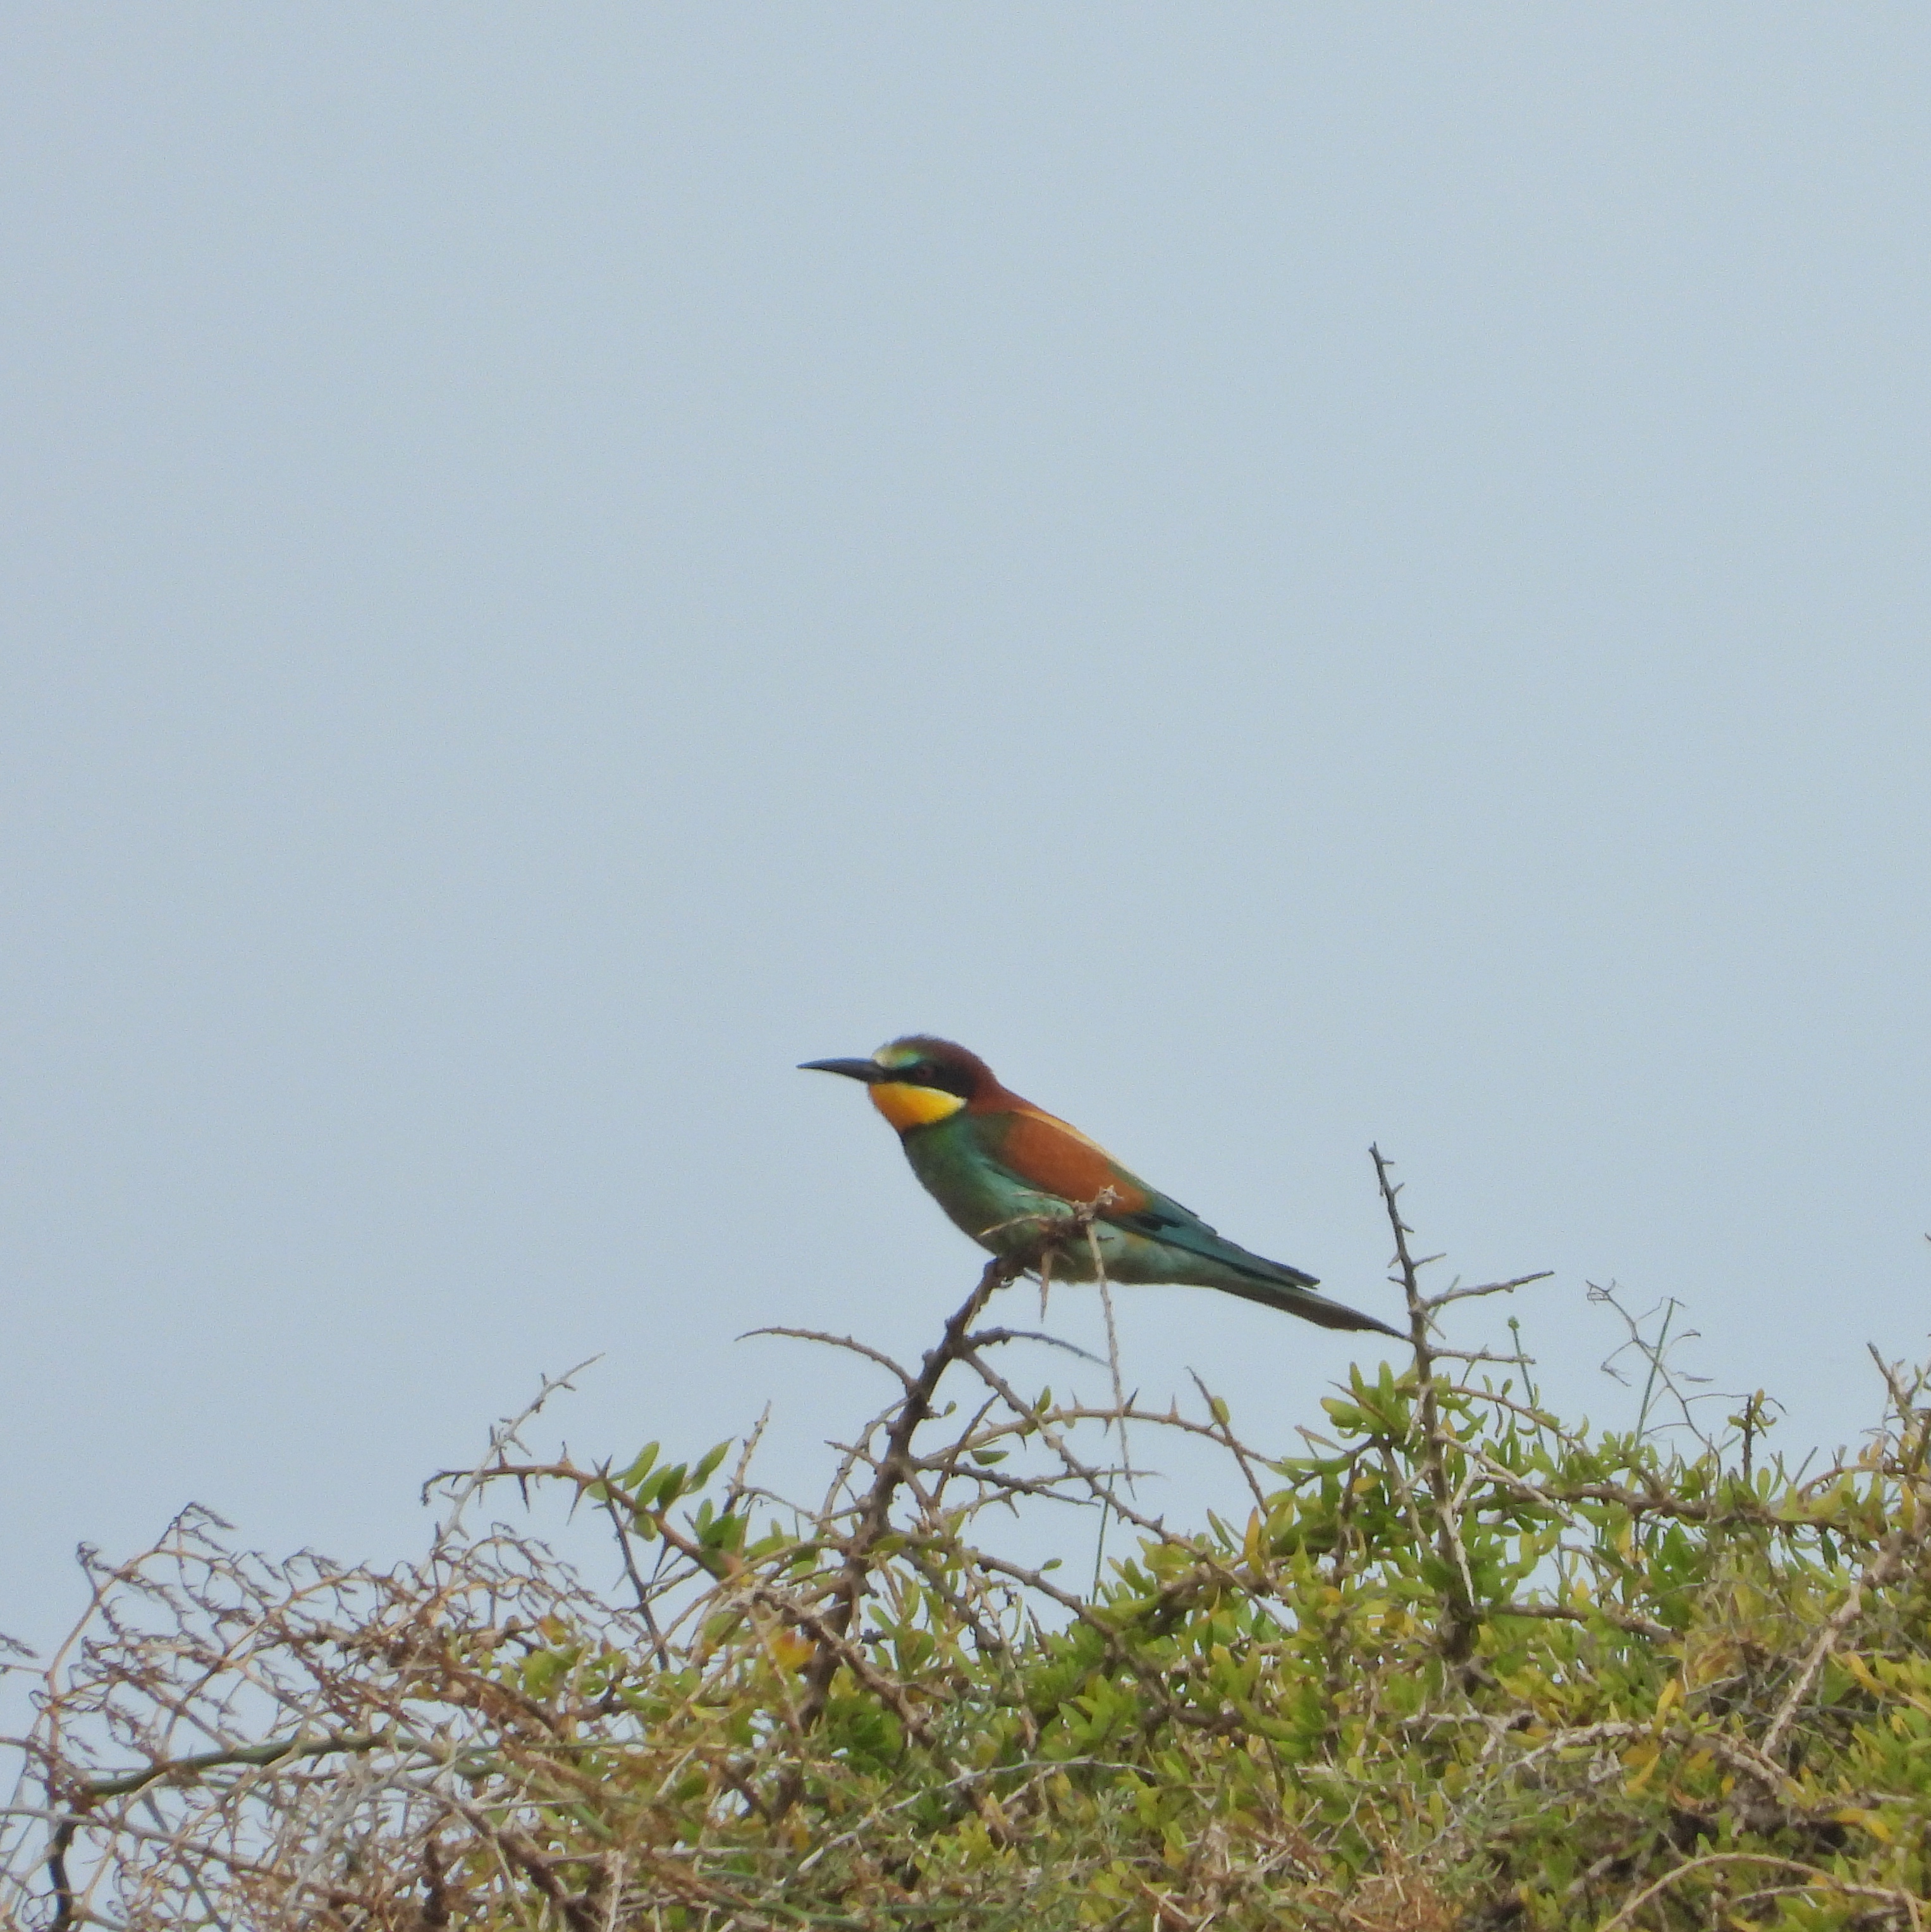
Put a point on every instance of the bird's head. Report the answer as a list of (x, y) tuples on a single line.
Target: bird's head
[(918, 1080)]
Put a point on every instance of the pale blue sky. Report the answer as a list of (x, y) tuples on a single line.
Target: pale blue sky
[(1292, 576)]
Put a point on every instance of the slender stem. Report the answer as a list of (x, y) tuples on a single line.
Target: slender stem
[(1460, 1622), (891, 1471)]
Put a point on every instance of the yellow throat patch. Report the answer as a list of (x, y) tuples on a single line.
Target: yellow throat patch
[(907, 1106)]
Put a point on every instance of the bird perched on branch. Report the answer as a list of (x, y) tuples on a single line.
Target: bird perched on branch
[(1024, 1184)]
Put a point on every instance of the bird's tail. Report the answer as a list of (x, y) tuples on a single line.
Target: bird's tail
[(1214, 1261), (1292, 1297)]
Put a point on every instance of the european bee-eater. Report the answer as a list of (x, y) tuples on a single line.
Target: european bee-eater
[(1013, 1175)]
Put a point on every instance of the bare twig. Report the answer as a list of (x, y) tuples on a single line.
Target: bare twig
[(875, 1513), (1459, 1621)]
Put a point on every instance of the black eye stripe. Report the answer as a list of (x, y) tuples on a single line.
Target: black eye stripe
[(926, 1073)]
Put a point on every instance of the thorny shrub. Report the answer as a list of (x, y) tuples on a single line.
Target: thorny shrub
[(1458, 1666)]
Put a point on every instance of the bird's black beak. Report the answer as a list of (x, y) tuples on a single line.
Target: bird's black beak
[(867, 1070)]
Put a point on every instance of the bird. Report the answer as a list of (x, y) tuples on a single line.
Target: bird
[(1032, 1189)]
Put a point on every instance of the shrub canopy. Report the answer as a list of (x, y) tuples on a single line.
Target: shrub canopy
[(1457, 1664)]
